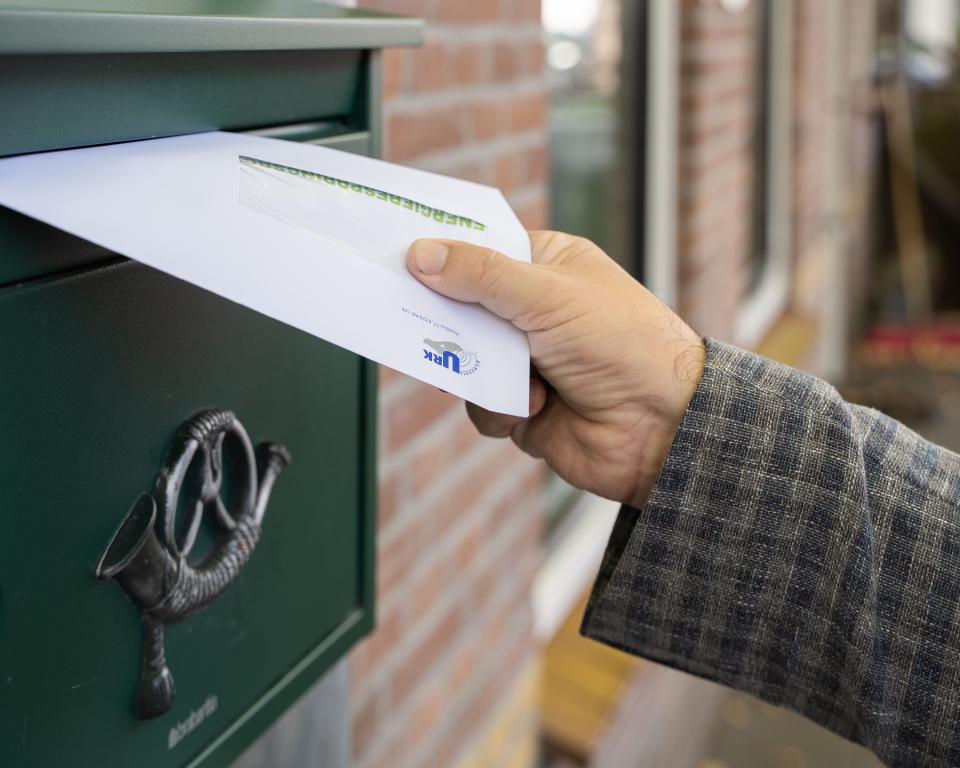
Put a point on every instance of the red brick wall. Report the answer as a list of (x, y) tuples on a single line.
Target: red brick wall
[(717, 102), (471, 102), (460, 517), (855, 159), (715, 163), (811, 108)]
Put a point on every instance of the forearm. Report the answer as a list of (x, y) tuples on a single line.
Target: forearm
[(801, 549)]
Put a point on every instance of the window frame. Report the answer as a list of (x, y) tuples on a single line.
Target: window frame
[(770, 296), (656, 165)]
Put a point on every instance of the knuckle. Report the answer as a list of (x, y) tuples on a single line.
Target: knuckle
[(490, 270), (526, 440), (487, 424), (579, 241)]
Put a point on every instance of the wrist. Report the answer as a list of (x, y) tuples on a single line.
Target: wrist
[(661, 432)]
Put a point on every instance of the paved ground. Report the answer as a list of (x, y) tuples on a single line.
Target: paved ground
[(750, 734)]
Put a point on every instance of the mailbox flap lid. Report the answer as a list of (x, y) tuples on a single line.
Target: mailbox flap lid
[(153, 26)]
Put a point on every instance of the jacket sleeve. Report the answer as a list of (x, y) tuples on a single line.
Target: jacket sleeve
[(803, 550)]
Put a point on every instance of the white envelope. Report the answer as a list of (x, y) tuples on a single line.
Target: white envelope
[(310, 236)]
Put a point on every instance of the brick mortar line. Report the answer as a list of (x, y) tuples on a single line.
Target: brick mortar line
[(478, 150), (514, 690), (716, 115), (702, 134), (378, 682), (505, 600), (694, 34), (696, 100), (393, 463), (458, 531), (719, 212), (503, 603), (698, 269), (398, 726), (393, 733), (451, 717), (532, 193), (412, 508), (478, 456), (728, 244), (487, 556), (718, 50), (458, 96), (493, 550), (732, 273), (395, 392), (714, 82), (402, 456), (505, 590), (704, 157), (703, 188)]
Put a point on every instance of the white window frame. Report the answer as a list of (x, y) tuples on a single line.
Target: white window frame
[(571, 564), (663, 86), (769, 298)]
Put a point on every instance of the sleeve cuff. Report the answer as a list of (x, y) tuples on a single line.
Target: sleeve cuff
[(694, 579)]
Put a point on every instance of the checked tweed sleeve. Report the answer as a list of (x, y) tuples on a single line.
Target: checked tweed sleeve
[(803, 550)]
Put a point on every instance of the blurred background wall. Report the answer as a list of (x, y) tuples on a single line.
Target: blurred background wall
[(785, 174)]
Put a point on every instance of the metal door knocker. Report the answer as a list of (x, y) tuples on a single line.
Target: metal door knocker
[(147, 556)]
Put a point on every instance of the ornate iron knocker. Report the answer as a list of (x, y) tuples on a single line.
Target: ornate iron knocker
[(147, 556)]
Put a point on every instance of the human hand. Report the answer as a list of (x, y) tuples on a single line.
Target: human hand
[(614, 368)]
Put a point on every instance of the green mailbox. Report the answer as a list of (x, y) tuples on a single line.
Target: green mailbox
[(213, 467)]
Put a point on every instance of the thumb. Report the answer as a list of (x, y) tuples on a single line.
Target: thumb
[(479, 275)]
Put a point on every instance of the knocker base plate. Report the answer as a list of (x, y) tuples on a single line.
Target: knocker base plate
[(148, 556)]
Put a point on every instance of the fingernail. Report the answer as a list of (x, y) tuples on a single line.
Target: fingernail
[(430, 256)]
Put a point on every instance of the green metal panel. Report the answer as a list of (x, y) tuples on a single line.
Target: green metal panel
[(115, 26), (102, 359), (60, 101), (104, 367)]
